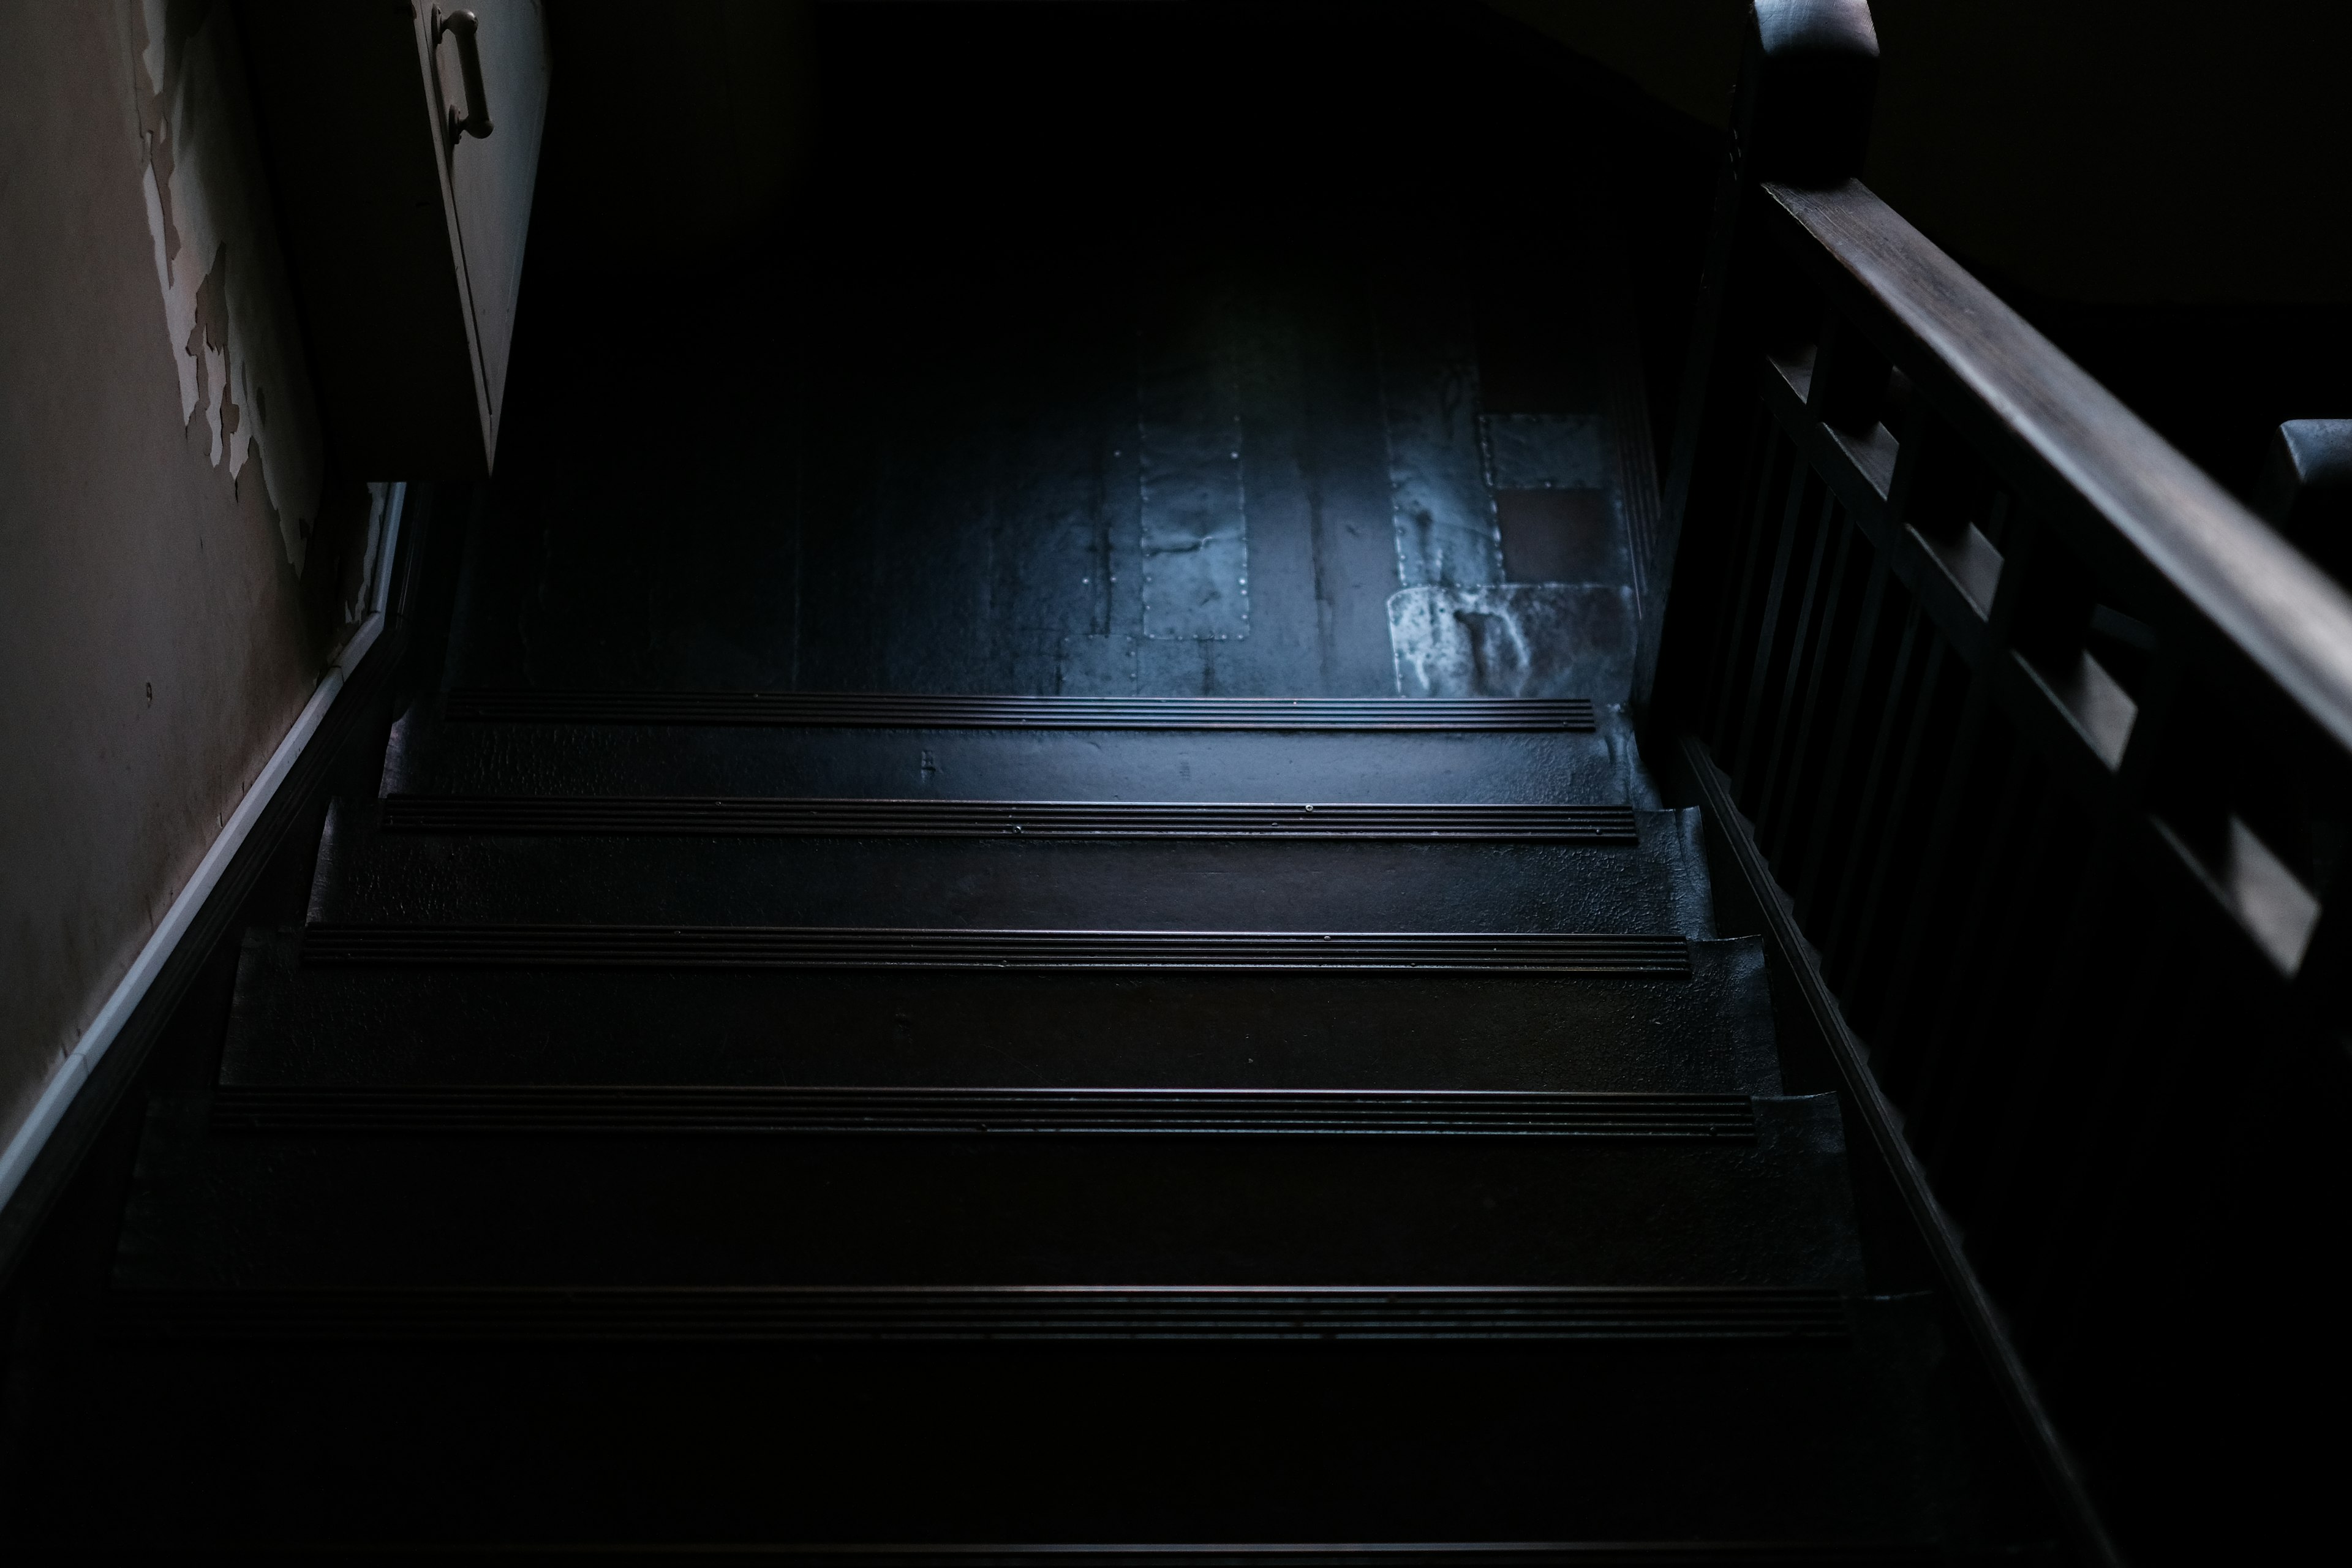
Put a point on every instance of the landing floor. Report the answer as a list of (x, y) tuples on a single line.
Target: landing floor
[(1272, 404)]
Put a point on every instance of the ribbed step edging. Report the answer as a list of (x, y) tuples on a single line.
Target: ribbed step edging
[(773, 817), (905, 710), (1375, 1554), (837, 1314), (757, 1109), (906, 947)]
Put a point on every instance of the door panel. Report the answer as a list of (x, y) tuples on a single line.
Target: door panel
[(490, 178), (407, 250)]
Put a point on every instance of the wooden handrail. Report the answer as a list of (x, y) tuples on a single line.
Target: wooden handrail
[(2267, 597), (2046, 741)]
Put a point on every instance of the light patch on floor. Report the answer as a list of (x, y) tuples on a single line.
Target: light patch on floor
[(1514, 639)]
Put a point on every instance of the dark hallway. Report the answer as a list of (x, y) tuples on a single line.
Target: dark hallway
[(1402, 1159), (1012, 903), (955, 421)]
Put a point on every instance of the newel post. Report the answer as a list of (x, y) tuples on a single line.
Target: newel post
[(1800, 117)]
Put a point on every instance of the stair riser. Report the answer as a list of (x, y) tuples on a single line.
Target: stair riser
[(245, 1210), (653, 1109), (802, 817), (1708, 1034), (1658, 885), (1267, 1442), (428, 757), (679, 705)]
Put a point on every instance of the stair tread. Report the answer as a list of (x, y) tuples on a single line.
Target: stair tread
[(1653, 1440), (1709, 1033), (854, 817), (221, 1205), (678, 945), (427, 756), (1656, 884), (721, 1109), (912, 709), (1031, 1313)]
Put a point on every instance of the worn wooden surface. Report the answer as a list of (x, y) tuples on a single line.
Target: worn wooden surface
[(2236, 574)]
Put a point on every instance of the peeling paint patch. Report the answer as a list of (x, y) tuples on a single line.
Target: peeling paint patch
[(228, 306), (1514, 639)]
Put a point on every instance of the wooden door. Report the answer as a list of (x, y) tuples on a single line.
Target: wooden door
[(489, 178), (405, 228)]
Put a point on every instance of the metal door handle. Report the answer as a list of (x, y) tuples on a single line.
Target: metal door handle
[(463, 24)]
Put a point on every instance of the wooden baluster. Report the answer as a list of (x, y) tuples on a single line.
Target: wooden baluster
[(1801, 117), (2305, 490), (2305, 493), (1851, 377)]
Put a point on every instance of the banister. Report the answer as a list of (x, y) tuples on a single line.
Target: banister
[(2252, 586), (1808, 77), (1805, 93), (2038, 744)]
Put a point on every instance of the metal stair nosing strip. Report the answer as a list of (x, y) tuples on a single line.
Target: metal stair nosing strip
[(917, 947), (902, 710), (1761, 1553), (658, 1110), (983, 1313), (782, 817)]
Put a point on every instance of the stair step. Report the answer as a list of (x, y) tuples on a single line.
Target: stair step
[(1708, 1032), (856, 818), (891, 709), (718, 1442), (418, 1206), (723, 1444), (832, 1314), (634, 1210), (959, 1313), (660, 1109), (1553, 767), (1656, 884), (1377, 1554), (906, 947)]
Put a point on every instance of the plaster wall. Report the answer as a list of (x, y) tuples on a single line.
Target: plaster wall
[(160, 485)]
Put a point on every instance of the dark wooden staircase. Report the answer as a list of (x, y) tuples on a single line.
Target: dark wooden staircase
[(868, 999), (1411, 1168), (1160, 1101)]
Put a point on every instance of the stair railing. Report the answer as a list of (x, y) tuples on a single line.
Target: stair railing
[(2047, 742)]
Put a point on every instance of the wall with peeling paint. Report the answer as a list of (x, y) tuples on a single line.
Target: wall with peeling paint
[(217, 263), (161, 488)]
